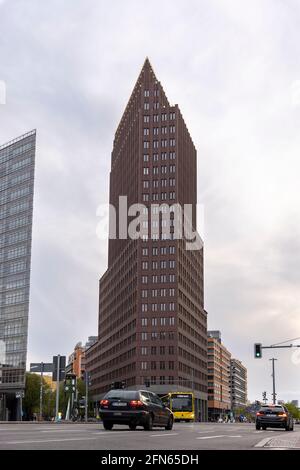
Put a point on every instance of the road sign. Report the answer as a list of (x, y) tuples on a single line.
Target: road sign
[(62, 368), (41, 367)]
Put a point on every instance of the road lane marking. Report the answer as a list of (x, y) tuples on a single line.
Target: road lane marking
[(203, 432), (164, 435), (50, 440), (263, 442), (215, 437), (65, 430)]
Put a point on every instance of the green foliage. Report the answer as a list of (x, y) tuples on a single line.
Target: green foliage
[(293, 409)]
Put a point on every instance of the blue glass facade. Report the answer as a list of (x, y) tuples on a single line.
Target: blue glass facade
[(17, 163)]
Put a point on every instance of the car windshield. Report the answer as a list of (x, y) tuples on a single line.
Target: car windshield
[(182, 403), (270, 409), (122, 394)]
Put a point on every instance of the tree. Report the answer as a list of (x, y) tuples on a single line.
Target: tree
[(293, 410)]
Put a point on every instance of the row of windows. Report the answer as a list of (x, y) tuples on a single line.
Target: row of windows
[(156, 117), (171, 195), (155, 279), (7, 182), (155, 183), (163, 156), (156, 170), (155, 307), (159, 223), (163, 278), (162, 293), (13, 210), (163, 143), (13, 253), (155, 335), (162, 321), (163, 250), (164, 130), (161, 380), (162, 264), (153, 365), (8, 153), (13, 268), (13, 238), (161, 350), (15, 223), (11, 196), (13, 284), (14, 298)]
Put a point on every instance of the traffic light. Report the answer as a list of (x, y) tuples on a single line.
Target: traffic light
[(257, 351)]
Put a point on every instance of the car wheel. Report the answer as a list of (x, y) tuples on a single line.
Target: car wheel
[(149, 423), (107, 426), (264, 428), (132, 427), (257, 427), (170, 424)]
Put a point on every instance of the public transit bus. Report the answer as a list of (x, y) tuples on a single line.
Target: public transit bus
[(182, 404)]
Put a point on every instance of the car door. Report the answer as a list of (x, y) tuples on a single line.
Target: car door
[(156, 408), (160, 410)]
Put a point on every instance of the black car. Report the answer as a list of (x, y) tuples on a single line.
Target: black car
[(274, 416), (134, 408)]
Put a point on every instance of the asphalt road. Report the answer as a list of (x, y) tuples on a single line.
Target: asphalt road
[(184, 436)]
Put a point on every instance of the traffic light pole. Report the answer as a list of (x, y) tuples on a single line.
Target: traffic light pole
[(57, 388), (273, 376), (86, 395), (41, 391)]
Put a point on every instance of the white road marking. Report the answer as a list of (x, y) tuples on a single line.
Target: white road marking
[(203, 432), (263, 442), (215, 437), (164, 435), (51, 440), (64, 430)]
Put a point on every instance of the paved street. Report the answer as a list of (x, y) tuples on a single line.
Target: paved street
[(184, 436)]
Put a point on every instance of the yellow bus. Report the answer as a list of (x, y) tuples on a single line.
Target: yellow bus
[(182, 404)]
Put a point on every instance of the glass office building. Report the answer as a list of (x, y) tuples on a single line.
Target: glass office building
[(17, 162)]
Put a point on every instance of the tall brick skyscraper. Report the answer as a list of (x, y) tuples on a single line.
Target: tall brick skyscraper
[(152, 322)]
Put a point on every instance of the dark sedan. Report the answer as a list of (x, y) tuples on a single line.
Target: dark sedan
[(274, 416), (134, 408)]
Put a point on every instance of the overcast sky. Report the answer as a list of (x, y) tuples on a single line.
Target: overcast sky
[(234, 69)]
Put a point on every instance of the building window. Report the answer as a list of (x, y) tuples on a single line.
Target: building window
[(146, 144), (146, 131), (146, 119), (146, 93)]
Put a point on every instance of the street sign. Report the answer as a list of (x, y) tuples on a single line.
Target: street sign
[(41, 367), (62, 368)]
